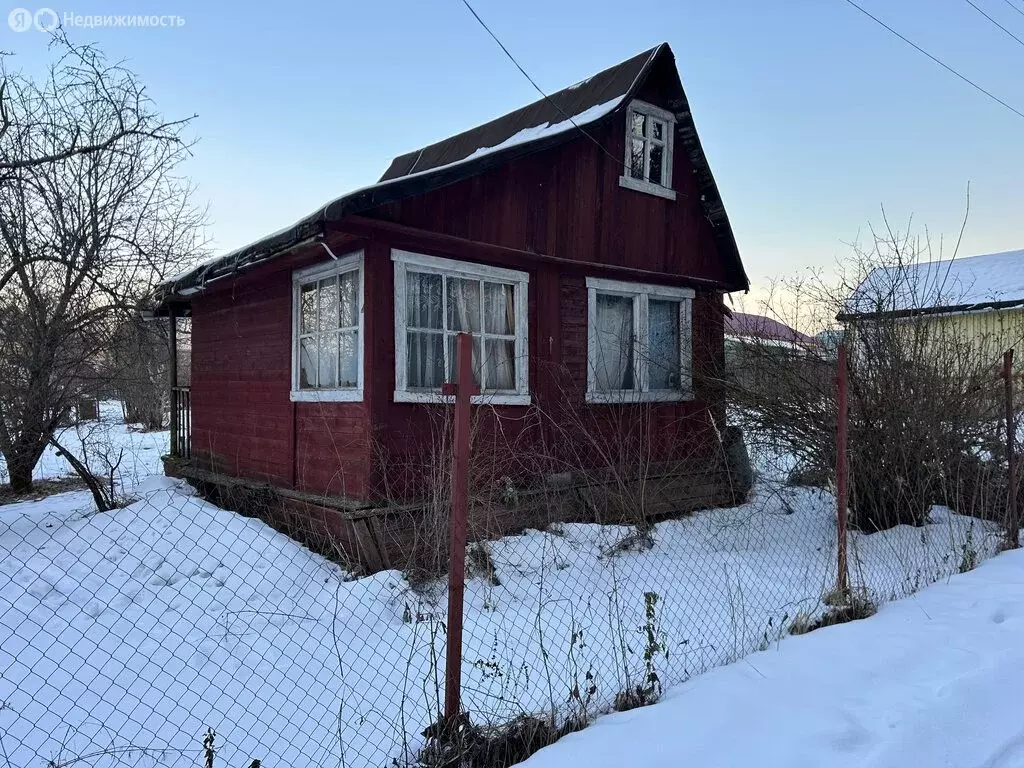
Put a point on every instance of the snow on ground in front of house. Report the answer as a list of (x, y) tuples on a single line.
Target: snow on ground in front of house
[(138, 452), (146, 625), (933, 680)]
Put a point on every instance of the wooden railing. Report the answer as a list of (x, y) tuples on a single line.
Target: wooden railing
[(181, 422)]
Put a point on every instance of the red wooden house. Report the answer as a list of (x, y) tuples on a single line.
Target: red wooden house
[(580, 239)]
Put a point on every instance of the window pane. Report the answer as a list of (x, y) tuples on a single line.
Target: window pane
[(499, 308), (663, 328), (452, 362), (463, 305), (613, 366), (349, 298), (327, 349), (500, 364), (348, 359), (425, 360), (307, 363), (657, 158), (423, 300), (637, 123), (328, 304), (307, 300), (636, 159), (657, 130)]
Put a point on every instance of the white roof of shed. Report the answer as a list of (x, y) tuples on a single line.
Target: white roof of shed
[(962, 284)]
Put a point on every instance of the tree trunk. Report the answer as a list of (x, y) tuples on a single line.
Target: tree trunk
[(19, 474), (103, 501)]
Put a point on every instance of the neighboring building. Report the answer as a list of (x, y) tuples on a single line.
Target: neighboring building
[(581, 240), (977, 300), (743, 328), (756, 346)]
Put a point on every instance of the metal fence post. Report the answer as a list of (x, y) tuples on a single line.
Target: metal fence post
[(842, 467), (1012, 519), (463, 388)]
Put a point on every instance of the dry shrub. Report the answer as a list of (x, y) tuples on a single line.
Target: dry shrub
[(639, 539), (480, 565), (851, 607), (926, 416), (565, 461), (464, 745)]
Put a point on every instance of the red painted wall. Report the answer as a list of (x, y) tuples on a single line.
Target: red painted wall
[(565, 202), (243, 422)]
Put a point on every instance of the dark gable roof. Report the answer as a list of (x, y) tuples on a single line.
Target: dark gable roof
[(543, 124), (604, 87)]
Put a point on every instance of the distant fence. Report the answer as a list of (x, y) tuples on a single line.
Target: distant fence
[(175, 632), (181, 422)]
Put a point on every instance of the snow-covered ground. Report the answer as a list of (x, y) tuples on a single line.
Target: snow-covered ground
[(109, 435), (933, 680), (143, 627)]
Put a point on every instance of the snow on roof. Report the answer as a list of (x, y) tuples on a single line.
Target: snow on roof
[(960, 284), (536, 126), (580, 103), (525, 136), (548, 129)]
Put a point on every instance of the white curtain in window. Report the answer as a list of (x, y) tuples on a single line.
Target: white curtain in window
[(499, 354), (425, 323), (613, 366), (463, 316)]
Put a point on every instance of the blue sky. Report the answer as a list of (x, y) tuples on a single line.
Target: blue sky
[(812, 116)]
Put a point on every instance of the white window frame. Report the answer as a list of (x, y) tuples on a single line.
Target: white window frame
[(352, 262), (641, 294), (406, 261), (643, 185)]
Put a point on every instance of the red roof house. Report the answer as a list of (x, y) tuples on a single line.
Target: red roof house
[(745, 327), (581, 240)]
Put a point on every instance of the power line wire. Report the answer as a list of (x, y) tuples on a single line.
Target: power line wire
[(941, 63), (539, 90), (979, 10), (1016, 8)]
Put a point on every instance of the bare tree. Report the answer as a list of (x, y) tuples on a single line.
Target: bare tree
[(925, 412), (137, 368), (92, 214), (34, 125)]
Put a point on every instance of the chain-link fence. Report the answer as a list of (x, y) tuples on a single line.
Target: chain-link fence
[(174, 632)]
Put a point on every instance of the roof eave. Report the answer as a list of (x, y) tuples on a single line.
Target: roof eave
[(314, 226), (952, 309)]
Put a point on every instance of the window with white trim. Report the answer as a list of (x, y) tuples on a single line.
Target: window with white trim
[(639, 342), (649, 138), (435, 300), (327, 331)]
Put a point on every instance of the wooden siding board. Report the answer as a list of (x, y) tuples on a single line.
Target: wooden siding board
[(564, 202)]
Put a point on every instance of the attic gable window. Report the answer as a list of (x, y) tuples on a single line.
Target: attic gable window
[(435, 300), (650, 131), (327, 331), (639, 342)]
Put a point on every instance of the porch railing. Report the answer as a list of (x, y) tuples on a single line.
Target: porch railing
[(181, 422)]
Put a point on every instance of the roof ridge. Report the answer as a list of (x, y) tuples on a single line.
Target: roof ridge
[(549, 109)]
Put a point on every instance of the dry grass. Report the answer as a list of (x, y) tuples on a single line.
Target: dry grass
[(41, 489), (842, 608)]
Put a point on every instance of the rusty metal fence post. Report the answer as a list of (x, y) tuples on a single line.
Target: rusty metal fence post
[(463, 389), (1012, 518), (842, 467)]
